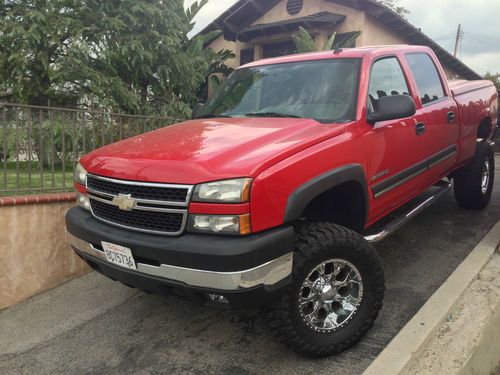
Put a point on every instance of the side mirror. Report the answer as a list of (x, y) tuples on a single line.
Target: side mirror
[(197, 109), (393, 107)]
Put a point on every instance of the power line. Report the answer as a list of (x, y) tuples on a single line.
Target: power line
[(459, 36), (482, 36), (481, 41)]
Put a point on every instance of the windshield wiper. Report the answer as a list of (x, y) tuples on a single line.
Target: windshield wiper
[(271, 114), (213, 115)]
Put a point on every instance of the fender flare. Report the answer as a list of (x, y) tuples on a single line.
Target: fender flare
[(305, 193)]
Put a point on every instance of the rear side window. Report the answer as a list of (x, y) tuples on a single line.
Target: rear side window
[(426, 76), (387, 78)]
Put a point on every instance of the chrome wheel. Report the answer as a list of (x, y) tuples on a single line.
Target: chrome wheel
[(330, 295), (485, 180)]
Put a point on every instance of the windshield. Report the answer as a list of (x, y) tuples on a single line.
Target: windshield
[(324, 90)]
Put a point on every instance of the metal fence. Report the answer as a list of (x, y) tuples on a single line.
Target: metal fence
[(40, 146)]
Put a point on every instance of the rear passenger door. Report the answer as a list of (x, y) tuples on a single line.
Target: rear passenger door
[(440, 111)]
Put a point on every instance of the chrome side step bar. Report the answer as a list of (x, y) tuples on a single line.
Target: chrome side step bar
[(378, 232)]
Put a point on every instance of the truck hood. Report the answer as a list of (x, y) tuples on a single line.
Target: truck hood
[(206, 150)]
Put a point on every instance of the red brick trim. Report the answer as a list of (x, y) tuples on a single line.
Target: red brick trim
[(34, 199)]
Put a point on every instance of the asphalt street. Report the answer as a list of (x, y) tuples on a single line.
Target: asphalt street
[(94, 325)]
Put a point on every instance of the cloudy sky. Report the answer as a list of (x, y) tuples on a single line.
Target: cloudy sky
[(438, 19)]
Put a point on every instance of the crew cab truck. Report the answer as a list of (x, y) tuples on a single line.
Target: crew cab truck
[(273, 194)]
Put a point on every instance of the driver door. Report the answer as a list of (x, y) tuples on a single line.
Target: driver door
[(395, 151)]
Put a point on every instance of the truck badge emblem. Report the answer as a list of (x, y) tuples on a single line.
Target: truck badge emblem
[(124, 202), (380, 174)]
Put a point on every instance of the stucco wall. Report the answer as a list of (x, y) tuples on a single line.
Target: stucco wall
[(375, 34), (372, 31), (34, 255)]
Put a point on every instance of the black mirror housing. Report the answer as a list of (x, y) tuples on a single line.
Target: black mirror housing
[(393, 107), (197, 109)]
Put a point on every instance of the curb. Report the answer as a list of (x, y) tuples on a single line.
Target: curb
[(409, 343)]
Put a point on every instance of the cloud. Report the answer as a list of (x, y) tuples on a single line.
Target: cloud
[(209, 12), (435, 18), (483, 62), (441, 18)]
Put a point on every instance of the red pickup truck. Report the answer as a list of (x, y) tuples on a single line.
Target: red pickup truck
[(273, 194)]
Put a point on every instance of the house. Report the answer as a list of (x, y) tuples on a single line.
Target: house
[(256, 29)]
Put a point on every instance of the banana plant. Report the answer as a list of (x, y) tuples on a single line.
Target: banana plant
[(304, 42)]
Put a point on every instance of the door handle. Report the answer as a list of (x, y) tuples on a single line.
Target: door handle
[(451, 117), (420, 128)]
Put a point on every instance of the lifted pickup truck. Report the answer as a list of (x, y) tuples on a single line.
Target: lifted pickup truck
[(272, 195)]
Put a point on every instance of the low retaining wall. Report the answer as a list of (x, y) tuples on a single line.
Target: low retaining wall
[(34, 255)]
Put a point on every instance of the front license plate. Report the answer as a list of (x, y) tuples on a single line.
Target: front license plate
[(119, 255)]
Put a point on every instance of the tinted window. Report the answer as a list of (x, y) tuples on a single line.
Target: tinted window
[(427, 78), (324, 90), (386, 79)]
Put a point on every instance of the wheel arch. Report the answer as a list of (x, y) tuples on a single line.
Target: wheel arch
[(485, 129), (342, 183)]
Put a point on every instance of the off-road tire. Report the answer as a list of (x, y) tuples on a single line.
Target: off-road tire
[(315, 243), (468, 180)]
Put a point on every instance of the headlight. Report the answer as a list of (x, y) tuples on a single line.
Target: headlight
[(80, 175), (225, 191), (82, 201), (224, 224)]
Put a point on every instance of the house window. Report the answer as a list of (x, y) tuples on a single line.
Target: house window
[(246, 56), (279, 49), (294, 6)]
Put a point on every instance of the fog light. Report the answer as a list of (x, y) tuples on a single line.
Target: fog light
[(82, 201)]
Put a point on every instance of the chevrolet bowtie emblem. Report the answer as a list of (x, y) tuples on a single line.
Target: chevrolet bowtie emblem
[(124, 202)]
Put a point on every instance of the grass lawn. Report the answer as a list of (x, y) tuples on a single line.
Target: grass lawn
[(22, 187)]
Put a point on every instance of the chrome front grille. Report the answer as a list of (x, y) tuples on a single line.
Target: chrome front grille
[(141, 206), (154, 192)]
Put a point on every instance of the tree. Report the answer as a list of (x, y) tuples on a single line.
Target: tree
[(393, 5), (130, 56), (495, 78), (304, 42)]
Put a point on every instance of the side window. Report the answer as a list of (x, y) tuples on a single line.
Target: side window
[(426, 76), (386, 78)]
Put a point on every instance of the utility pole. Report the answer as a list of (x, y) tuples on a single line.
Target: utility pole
[(457, 40)]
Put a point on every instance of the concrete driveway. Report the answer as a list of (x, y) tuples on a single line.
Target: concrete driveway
[(94, 325)]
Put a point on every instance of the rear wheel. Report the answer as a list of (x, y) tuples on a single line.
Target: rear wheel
[(335, 295), (473, 183)]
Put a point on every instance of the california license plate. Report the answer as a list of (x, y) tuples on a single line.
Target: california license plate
[(119, 255)]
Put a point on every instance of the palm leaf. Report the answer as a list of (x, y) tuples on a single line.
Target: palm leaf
[(346, 43), (304, 41), (329, 43)]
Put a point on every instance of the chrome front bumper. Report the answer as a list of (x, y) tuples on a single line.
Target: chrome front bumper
[(267, 274)]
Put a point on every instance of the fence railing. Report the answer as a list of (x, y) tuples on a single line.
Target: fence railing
[(40, 146)]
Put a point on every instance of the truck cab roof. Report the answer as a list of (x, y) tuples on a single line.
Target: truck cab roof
[(359, 52)]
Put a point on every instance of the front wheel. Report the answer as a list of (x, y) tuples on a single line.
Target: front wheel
[(473, 184), (335, 295)]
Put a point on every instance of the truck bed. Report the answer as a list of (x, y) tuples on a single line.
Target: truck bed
[(459, 87), (476, 101)]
